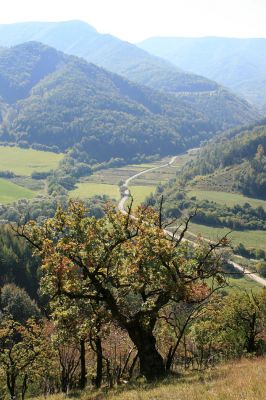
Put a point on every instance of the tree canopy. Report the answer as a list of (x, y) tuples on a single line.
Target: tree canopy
[(127, 264)]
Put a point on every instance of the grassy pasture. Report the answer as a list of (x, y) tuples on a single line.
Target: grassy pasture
[(10, 192), (25, 161), (139, 193), (89, 189), (230, 199), (254, 239)]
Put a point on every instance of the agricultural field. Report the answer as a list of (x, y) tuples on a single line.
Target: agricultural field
[(250, 239), (139, 193), (86, 190), (230, 199), (10, 192), (115, 175), (25, 161)]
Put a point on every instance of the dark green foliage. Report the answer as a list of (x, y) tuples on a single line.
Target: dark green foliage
[(22, 69), (15, 303), (252, 180), (7, 174), (17, 265), (101, 115), (43, 207), (237, 147), (208, 213), (80, 39), (261, 268)]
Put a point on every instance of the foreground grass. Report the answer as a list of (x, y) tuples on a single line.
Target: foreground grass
[(86, 190), (230, 199), (10, 192), (242, 380), (25, 161)]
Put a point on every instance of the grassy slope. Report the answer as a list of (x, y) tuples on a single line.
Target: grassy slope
[(10, 192), (230, 199), (25, 161), (139, 193), (256, 239), (240, 380), (89, 189), (241, 283)]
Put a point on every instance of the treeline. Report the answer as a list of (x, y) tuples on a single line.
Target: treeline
[(118, 301), (177, 202), (42, 207)]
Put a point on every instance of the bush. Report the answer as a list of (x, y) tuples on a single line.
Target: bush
[(261, 268)]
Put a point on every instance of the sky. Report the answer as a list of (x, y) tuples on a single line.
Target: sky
[(135, 20)]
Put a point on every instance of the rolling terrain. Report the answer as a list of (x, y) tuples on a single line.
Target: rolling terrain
[(62, 102), (239, 64), (126, 59)]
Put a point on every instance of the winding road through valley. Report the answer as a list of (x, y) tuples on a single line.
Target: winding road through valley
[(126, 196)]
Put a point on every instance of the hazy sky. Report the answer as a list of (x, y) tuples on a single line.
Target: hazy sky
[(135, 20)]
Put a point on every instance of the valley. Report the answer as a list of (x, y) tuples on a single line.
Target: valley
[(132, 211), (106, 183)]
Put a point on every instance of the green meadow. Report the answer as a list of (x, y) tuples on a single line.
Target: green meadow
[(230, 199), (140, 192), (10, 192), (89, 189), (25, 161), (253, 239)]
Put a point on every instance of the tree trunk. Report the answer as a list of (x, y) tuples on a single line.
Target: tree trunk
[(83, 379), (24, 386), (151, 362), (131, 369), (251, 339), (11, 384), (99, 369)]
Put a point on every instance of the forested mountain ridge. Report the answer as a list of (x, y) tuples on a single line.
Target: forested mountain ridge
[(80, 39), (239, 64), (53, 99), (232, 147), (243, 148)]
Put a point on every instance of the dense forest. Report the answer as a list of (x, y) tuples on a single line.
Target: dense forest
[(62, 102), (242, 147), (80, 39)]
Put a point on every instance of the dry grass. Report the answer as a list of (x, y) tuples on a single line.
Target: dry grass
[(243, 380)]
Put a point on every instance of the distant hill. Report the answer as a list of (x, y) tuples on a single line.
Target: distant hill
[(239, 155), (80, 39), (62, 102), (239, 64)]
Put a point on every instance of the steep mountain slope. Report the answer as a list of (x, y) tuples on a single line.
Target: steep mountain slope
[(79, 38), (239, 156), (239, 64), (49, 98)]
